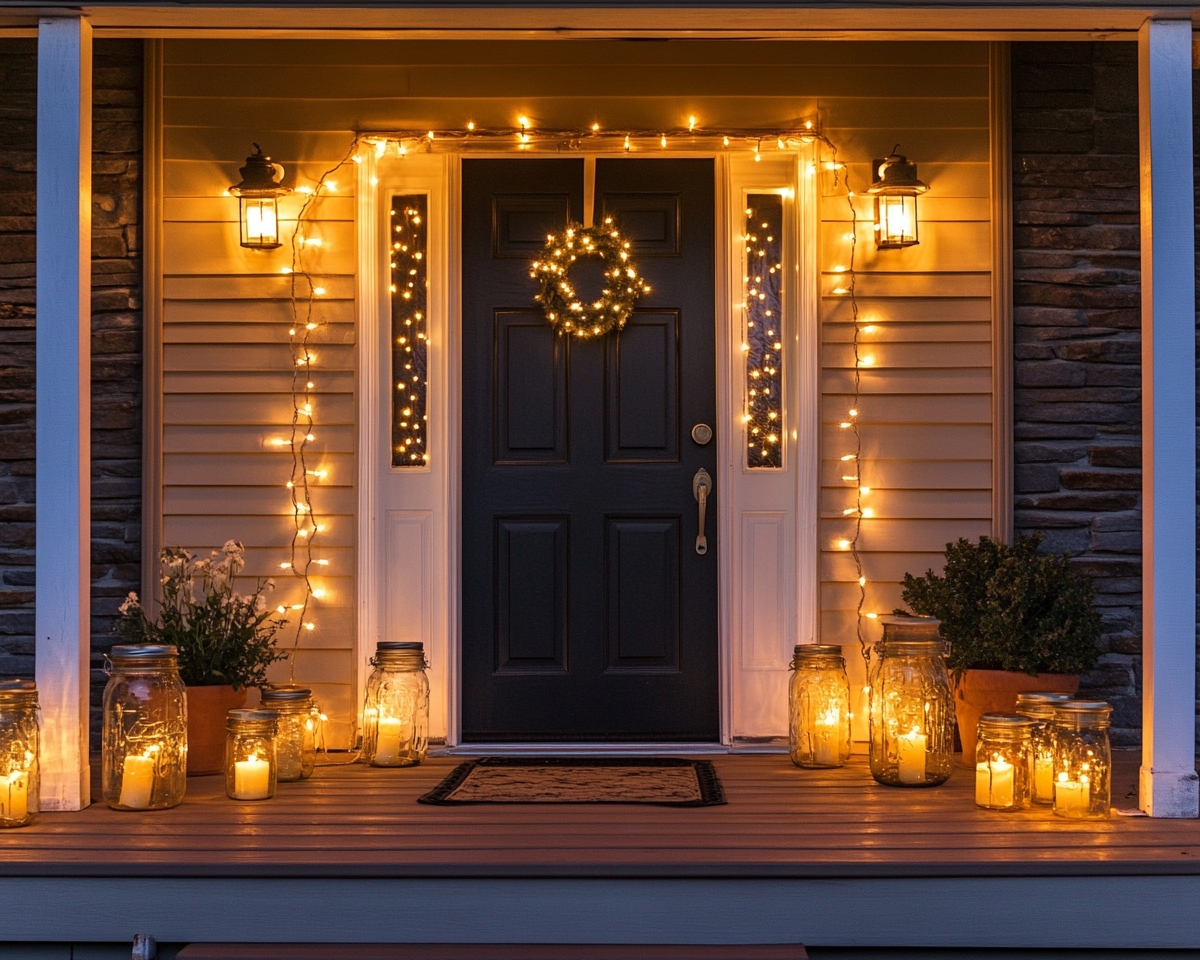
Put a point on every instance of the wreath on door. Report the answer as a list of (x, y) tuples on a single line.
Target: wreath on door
[(564, 309)]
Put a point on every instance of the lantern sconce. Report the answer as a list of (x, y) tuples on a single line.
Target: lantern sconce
[(257, 194), (895, 189)]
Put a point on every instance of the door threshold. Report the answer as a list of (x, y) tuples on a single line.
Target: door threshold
[(764, 745)]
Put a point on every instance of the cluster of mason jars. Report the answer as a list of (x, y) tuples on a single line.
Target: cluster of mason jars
[(1052, 750), (144, 754)]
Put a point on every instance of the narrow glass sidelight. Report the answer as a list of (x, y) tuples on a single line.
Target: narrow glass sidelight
[(762, 340), (409, 262)]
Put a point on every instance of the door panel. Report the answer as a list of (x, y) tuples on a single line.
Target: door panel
[(587, 614)]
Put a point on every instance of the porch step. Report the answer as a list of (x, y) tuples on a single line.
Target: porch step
[(491, 951)]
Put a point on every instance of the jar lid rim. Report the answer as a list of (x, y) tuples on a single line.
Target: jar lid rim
[(385, 645), (1006, 720), (927, 644), (1043, 696), (17, 685), (252, 713), (1084, 706), (286, 691), (135, 651), (817, 650)]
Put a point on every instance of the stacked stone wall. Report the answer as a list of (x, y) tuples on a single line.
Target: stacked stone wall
[(116, 344)]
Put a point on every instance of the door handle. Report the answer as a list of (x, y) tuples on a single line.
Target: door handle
[(702, 485)]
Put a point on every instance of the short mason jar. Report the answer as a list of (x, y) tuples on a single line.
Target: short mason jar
[(396, 711), (19, 753), (250, 763), (1082, 760), (1039, 707), (144, 741), (819, 707), (1003, 762), (912, 708), (296, 741)]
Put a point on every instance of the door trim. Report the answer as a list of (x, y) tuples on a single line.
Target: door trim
[(433, 493)]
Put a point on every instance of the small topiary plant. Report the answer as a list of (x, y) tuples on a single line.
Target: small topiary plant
[(1008, 607)]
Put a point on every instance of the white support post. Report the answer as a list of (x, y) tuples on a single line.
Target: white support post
[(1168, 775), (64, 295)]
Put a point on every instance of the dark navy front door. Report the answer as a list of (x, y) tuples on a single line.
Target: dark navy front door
[(588, 614)]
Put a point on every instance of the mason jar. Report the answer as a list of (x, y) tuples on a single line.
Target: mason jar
[(1039, 707), (396, 711), (296, 741), (819, 707), (912, 708), (1003, 762), (19, 751), (144, 741), (1082, 760), (250, 763)]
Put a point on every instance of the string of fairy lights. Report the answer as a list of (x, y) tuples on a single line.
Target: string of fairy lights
[(408, 272)]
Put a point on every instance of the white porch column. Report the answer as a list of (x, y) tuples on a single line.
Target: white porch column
[(1168, 775), (64, 294)]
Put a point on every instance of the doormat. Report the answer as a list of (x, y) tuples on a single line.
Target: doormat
[(660, 781)]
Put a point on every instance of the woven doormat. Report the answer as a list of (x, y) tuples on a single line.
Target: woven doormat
[(661, 781)]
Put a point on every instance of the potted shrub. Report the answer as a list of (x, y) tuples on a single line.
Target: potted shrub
[(226, 641), (1016, 618)]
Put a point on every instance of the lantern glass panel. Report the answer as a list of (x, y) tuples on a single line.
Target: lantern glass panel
[(819, 702), (251, 768), (1004, 762), (396, 712), (912, 708), (409, 261), (260, 222), (1082, 760), (144, 744), (896, 220), (19, 752)]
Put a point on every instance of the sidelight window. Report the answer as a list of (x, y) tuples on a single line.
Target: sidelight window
[(409, 287), (762, 336)]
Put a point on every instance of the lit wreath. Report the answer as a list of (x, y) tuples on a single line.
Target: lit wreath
[(562, 306)]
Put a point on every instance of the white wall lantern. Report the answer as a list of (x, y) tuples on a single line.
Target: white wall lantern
[(257, 195), (895, 189)]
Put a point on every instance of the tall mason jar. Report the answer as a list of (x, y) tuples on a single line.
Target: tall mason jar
[(19, 753), (912, 708), (251, 767), (396, 711), (1082, 760), (144, 743), (1003, 762), (296, 741), (1039, 706), (819, 707)]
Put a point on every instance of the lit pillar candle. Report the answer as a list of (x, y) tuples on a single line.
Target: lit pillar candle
[(14, 796), (825, 736), (1072, 796), (387, 740), (912, 756), (1043, 778), (1001, 783), (251, 779), (983, 784), (137, 781)]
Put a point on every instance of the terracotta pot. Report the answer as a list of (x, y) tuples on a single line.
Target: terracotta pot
[(207, 708), (995, 691)]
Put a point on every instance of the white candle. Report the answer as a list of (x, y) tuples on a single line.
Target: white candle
[(1072, 796), (912, 756), (1043, 778), (983, 784), (14, 796), (1002, 783), (137, 781), (251, 779), (825, 737), (387, 740)]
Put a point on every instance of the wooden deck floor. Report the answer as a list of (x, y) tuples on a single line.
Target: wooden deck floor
[(354, 821)]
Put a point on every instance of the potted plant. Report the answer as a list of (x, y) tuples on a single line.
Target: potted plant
[(226, 641), (1017, 619)]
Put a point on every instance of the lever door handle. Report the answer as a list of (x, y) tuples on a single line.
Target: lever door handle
[(702, 485)]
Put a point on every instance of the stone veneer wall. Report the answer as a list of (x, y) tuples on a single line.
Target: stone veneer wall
[(116, 345), (1077, 334)]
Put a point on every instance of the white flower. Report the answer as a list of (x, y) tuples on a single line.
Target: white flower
[(131, 602)]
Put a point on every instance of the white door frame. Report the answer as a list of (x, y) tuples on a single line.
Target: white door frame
[(414, 512)]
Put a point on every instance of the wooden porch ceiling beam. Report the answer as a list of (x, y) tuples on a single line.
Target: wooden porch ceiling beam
[(64, 317), (1168, 782)]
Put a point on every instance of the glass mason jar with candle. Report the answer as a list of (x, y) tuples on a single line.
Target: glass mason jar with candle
[(819, 707), (912, 708), (1082, 760), (250, 761), (396, 712), (144, 741), (1039, 707), (1004, 762), (19, 780), (296, 741)]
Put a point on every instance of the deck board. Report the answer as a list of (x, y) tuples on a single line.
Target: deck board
[(351, 821)]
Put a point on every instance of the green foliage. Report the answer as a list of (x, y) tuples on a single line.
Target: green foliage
[(1010, 608), (223, 637)]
